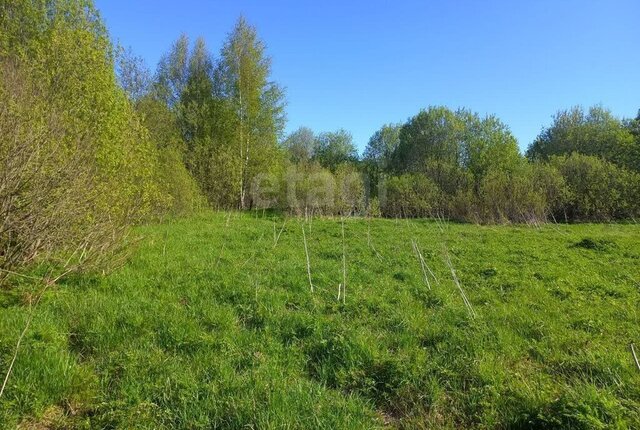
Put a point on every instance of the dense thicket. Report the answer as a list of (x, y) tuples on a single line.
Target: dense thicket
[(77, 166), (457, 165)]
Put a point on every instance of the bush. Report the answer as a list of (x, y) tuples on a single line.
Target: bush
[(78, 165), (180, 191), (310, 189), (513, 196), (597, 190), (48, 178), (182, 194), (410, 195), (350, 194)]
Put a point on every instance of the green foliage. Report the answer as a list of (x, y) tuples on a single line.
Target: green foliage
[(334, 148), (597, 189), (256, 106), (350, 190), (228, 113), (89, 148), (480, 176), (133, 75), (458, 138), (511, 196), (183, 110), (172, 72), (181, 191), (382, 145), (301, 145), (310, 189), (596, 132), (465, 157), (73, 57), (184, 195), (411, 196), (378, 153)]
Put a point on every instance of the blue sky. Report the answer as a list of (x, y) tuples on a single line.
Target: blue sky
[(360, 64)]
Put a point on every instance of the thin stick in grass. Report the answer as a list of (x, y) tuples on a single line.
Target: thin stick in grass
[(425, 265), (219, 256), (306, 251), (255, 251), (416, 250), (635, 357), (457, 282), (344, 267), (277, 238)]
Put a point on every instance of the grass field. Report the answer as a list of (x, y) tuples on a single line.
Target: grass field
[(211, 324)]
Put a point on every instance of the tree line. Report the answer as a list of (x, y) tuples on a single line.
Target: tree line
[(92, 142), (458, 165), (584, 167)]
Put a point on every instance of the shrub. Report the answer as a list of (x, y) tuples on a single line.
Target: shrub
[(511, 196), (181, 192), (48, 193), (78, 166), (597, 190), (410, 195), (350, 196)]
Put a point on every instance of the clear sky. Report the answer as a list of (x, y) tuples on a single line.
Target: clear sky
[(360, 64)]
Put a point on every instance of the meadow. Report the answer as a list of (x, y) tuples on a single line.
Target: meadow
[(223, 320)]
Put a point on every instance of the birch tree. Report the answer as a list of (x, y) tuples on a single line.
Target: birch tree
[(256, 104)]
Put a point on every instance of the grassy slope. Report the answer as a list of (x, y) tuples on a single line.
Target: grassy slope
[(208, 326)]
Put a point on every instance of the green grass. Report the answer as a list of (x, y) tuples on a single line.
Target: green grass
[(209, 326)]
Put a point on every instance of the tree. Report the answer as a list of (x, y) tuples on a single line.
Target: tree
[(410, 195), (633, 125), (133, 74), (448, 146), (175, 180), (434, 133), (597, 189), (382, 145), (335, 148), (197, 110), (378, 152), (300, 145), (488, 145), (256, 104), (350, 191), (185, 85), (172, 73), (596, 132)]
